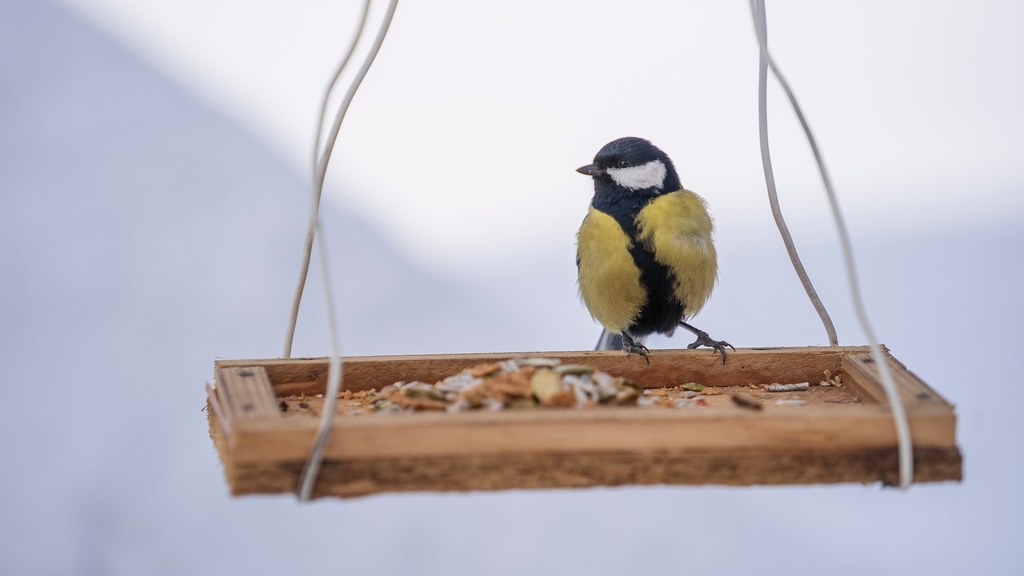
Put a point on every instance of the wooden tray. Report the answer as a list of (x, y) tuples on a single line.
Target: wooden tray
[(835, 434)]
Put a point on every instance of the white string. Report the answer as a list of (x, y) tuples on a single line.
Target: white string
[(312, 468), (904, 444), (318, 190), (316, 456), (773, 198)]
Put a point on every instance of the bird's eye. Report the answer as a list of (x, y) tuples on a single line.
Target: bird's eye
[(622, 163)]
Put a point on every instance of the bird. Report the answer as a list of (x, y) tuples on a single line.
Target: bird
[(645, 255)]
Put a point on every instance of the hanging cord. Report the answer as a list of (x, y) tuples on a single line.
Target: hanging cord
[(773, 197), (316, 456), (314, 231), (318, 187), (905, 447), (312, 468)]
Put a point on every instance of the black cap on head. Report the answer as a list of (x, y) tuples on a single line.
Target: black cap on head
[(629, 152)]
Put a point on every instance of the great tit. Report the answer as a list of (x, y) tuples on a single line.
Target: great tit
[(644, 253)]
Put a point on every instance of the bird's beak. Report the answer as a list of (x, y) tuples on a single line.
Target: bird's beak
[(590, 170)]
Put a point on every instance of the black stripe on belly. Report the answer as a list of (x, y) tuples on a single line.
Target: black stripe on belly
[(662, 310)]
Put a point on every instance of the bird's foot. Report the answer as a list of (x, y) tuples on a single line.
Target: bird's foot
[(632, 346), (716, 345)]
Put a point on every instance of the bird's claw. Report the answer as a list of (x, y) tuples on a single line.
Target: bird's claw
[(716, 345), (632, 346)]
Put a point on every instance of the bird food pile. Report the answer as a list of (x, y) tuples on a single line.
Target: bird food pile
[(537, 383), (517, 384)]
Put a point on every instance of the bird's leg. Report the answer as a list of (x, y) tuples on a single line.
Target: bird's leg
[(631, 346), (704, 340), (609, 341)]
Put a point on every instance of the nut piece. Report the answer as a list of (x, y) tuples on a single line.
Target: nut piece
[(507, 387), (545, 384), (481, 370), (574, 369)]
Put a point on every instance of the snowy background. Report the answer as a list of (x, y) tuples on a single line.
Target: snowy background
[(153, 186)]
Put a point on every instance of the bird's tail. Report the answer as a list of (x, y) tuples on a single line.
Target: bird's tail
[(609, 341)]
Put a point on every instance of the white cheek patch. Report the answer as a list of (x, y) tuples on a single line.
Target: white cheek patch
[(650, 175)]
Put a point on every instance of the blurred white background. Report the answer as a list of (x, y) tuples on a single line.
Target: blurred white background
[(153, 188)]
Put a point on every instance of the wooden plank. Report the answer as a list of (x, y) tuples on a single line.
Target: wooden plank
[(866, 378), (668, 367), (862, 382), (249, 393), (569, 431), (213, 405), (347, 478)]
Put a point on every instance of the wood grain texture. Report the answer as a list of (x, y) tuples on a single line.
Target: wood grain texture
[(248, 393), (720, 444), (360, 477), (476, 433), (865, 378)]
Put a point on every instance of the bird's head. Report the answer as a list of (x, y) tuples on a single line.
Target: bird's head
[(634, 164)]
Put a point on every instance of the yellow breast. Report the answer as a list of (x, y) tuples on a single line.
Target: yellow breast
[(676, 227), (609, 279)]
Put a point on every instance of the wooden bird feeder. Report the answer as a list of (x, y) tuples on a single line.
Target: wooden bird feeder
[(263, 417)]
